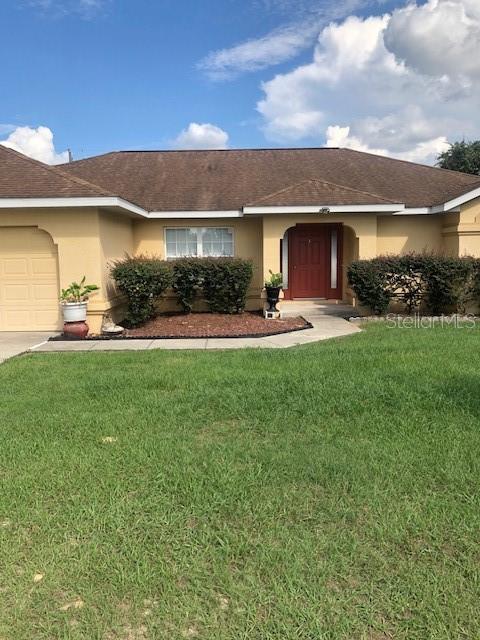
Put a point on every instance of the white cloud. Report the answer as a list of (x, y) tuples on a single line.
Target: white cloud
[(340, 137), (36, 143), (373, 85), (426, 151), (437, 38), (278, 45), (252, 55), (201, 136), (83, 8)]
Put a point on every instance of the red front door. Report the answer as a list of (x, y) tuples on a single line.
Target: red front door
[(310, 261)]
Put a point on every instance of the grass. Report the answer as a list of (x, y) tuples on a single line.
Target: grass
[(324, 492)]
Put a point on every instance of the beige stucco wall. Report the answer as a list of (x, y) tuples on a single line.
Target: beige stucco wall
[(402, 234), (462, 231), (116, 240)]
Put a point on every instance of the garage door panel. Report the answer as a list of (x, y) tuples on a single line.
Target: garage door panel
[(17, 318), (46, 319), (44, 266), (28, 281), (43, 292), (16, 293), (15, 267)]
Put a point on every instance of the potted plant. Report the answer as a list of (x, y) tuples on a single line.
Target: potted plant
[(273, 286), (74, 300)]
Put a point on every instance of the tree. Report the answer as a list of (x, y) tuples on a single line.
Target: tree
[(462, 156)]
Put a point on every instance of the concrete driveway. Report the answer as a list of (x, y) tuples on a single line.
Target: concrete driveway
[(12, 343)]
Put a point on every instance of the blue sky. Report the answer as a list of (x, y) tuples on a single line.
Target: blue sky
[(120, 74)]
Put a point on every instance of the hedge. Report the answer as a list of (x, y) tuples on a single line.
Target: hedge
[(187, 280), (222, 282), (142, 279), (441, 282), (225, 283)]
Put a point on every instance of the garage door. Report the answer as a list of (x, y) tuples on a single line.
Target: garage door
[(28, 280)]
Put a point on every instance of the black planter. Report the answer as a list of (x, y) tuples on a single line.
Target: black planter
[(273, 296)]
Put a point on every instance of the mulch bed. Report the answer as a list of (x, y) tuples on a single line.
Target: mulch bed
[(215, 325), (206, 325)]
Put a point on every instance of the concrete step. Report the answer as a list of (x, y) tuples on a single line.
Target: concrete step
[(291, 309)]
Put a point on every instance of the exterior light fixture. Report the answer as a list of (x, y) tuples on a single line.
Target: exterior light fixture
[(324, 210)]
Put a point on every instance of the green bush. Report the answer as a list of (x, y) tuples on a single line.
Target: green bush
[(142, 279), (442, 282), (451, 283), (369, 280), (187, 280), (223, 282)]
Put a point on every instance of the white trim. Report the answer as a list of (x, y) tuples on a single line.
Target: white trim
[(49, 203), (192, 215), (358, 208), (414, 211), (456, 202), (450, 206)]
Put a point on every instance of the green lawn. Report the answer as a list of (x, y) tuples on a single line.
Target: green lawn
[(325, 492)]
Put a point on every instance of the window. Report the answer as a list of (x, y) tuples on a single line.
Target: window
[(199, 241), (333, 259), (181, 242)]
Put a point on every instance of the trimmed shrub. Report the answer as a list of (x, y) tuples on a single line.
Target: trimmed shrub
[(225, 283), (369, 280), (406, 279), (187, 280), (451, 282), (142, 279), (443, 283), (222, 282)]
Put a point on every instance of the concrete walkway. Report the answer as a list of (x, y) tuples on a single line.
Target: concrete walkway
[(12, 343), (325, 326)]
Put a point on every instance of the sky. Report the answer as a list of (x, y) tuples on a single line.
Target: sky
[(393, 77)]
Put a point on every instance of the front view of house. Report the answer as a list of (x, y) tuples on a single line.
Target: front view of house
[(304, 212)]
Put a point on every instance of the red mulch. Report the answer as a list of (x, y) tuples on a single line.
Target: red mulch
[(204, 325)]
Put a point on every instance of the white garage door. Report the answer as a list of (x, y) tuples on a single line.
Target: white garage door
[(28, 280)]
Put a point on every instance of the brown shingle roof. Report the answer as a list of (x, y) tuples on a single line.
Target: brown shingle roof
[(226, 180), (23, 177), (313, 192)]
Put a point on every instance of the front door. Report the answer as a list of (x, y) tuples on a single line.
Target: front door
[(311, 261)]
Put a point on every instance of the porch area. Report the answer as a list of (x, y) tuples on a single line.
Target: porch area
[(314, 256)]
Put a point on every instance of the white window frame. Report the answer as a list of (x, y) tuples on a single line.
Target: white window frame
[(199, 239)]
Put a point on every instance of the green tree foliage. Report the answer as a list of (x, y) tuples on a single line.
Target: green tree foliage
[(462, 156)]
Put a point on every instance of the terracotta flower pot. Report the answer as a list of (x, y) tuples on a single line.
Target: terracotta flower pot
[(76, 330)]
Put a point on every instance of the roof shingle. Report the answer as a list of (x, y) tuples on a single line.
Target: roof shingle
[(23, 177), (227, 180), (313, 192)]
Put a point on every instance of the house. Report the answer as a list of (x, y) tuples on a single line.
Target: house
[(305, 212)]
